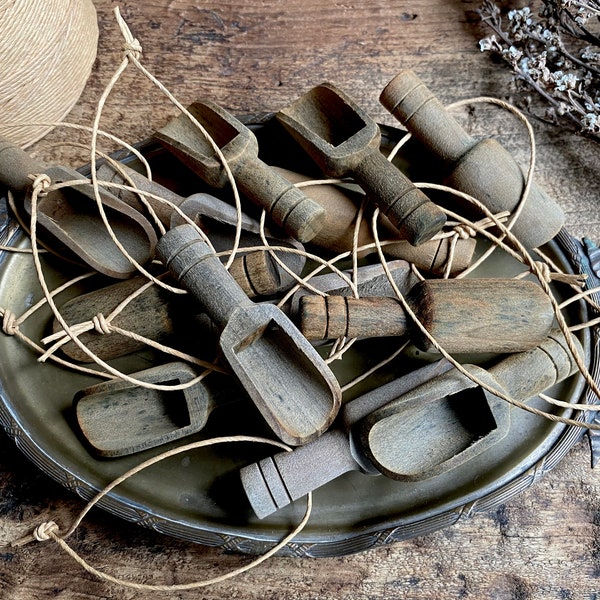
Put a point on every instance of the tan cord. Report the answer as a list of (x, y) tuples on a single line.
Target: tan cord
[(44, 82), (49, 530)]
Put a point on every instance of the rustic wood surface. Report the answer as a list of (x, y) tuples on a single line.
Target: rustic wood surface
[(260, 55)]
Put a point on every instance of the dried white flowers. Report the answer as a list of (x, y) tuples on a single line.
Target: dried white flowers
[(554, 51)]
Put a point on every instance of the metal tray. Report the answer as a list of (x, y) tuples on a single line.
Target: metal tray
[(194, 496)]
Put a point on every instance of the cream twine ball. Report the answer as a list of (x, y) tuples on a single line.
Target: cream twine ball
[(47, 49)]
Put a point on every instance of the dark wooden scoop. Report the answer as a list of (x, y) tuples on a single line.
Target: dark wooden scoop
[(69, 221), (420, 426), (285, 204), (463, 315), (289, 382), (344, 141)]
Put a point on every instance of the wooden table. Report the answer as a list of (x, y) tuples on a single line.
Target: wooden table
[(259, 55)]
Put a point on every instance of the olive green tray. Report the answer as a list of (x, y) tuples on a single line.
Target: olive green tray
[(194, 495)]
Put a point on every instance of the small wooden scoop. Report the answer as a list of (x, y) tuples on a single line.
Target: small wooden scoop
[(420, 426), (70, 224), (287, 379), (463, 315), (484, 169), (296, 214), (118, 418), (344, 141)]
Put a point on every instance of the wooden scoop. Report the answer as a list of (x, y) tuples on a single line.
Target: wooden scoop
[(296, 214), (118, 418), (420, 426), (70, 224), (463, 315), (484, 169), (287, 379), (344, 141)]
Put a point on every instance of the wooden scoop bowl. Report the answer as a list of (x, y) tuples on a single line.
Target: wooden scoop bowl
[(119, 418), (344, 141), (287, 379), (70, 224)]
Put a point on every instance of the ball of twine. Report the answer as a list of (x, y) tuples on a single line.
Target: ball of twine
[(47, 49)]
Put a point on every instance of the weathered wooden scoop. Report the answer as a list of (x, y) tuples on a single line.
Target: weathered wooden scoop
[(119, 418), (420, 426), (69, 220), (284, 203), (287, 379), (482, 168), (344, 141), (463, 315)]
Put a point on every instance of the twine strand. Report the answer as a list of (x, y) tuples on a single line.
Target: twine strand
[(49, 530)]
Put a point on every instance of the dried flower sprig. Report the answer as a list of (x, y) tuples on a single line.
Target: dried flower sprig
[(556, 53)]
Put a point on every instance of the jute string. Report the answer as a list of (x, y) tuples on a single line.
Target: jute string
[(543, 269), (54, 41)]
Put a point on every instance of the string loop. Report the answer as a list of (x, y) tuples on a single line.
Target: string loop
[(101, 325), (9, 322)]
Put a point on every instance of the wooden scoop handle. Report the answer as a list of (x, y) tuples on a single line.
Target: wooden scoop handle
[(411, 212), (526, 374), (191, 261), (331, 317), (288, 206), (16, 166), (463, 315)]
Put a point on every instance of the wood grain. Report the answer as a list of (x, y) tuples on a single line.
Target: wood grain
[(259, 55)]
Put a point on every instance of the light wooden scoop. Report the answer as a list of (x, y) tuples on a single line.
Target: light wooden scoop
[(463, 315)]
